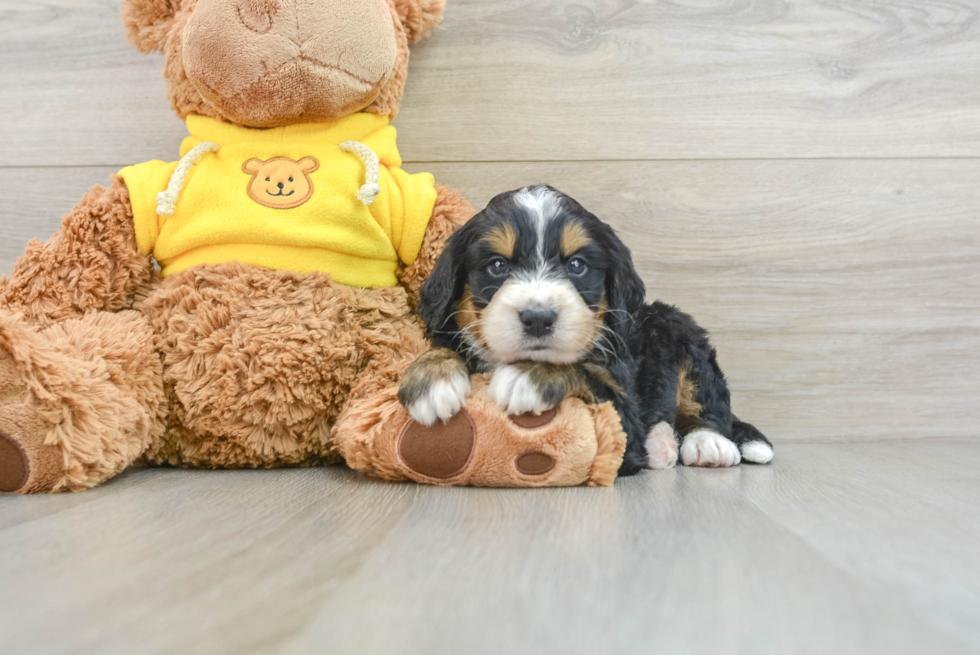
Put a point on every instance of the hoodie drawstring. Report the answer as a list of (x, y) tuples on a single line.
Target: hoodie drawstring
[(372, 170), (167, 200)]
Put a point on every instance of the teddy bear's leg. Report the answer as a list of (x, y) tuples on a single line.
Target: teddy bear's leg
[(450, 212), (91, 264), (373, 403), (572, 444), (79, 400), (481, 445)]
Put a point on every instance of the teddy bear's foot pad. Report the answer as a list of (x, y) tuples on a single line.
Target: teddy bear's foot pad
[(534, 462), (441, 451), (14, 468), (532, 421)]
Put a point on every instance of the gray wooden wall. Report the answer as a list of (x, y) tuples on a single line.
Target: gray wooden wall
[(802, 176)]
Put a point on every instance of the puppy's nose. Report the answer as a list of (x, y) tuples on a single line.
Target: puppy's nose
[(538, 322), (281, 185)]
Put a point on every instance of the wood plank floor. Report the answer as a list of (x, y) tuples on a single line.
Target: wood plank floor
[(835, 548), (803, 177)]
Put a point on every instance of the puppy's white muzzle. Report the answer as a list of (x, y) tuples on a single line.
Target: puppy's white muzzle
[(540, 319)]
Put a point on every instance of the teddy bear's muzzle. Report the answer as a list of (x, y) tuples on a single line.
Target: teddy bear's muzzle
[(263, 63)]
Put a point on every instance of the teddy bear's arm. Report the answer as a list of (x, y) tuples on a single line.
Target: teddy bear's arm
[(91, 264), (450, 212)]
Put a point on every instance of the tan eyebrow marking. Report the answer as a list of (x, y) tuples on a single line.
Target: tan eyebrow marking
[(573, 238), (502, 240)]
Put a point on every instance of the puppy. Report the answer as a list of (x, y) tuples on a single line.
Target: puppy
[(541, 293)]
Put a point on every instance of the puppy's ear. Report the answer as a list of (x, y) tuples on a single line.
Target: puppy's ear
[(625, 291), (444, 288), (148, 22), (419, 17)]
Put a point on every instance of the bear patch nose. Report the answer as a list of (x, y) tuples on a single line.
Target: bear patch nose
[(280, 185)]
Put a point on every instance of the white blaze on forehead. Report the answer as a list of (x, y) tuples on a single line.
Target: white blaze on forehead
[(538, 287), (542, 205)]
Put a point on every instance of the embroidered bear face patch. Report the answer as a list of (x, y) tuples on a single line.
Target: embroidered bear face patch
[(280, 182)]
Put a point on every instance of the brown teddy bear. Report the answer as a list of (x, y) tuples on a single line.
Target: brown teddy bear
[(291, 249)]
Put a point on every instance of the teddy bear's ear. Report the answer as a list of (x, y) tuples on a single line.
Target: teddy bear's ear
[(148, 22), (419, 16)]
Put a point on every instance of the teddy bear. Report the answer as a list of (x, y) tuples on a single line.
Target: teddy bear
[(251, 304)]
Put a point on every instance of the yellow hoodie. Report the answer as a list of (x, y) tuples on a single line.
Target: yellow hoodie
[(292, 198)]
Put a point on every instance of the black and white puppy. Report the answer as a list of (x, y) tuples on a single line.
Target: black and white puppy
[(542, 293)]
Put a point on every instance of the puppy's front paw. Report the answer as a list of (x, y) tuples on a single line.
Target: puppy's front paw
[(708, 448), (435, 387), (515, 391)]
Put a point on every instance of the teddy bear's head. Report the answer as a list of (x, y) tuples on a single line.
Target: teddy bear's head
[(268, 63)]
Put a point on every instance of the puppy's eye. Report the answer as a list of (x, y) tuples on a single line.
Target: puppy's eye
[(498, 267), (268, 180), (290, 179), (577, 267)]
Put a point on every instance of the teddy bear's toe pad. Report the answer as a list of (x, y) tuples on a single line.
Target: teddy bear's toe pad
[(531, 421), (535, 463), (13, 465), (442, 451)]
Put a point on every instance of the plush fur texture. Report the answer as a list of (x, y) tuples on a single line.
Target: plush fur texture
[(419, 17), (452, 210), (581, 444), (242, 58), (542, 293), (253, 366), (103, 364), (91, 264), (83, 398), (375, 81)]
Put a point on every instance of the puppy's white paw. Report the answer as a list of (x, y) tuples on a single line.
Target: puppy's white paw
[(514, 391), (708, 448), (757, 452), (442, 400), (661, 447)]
